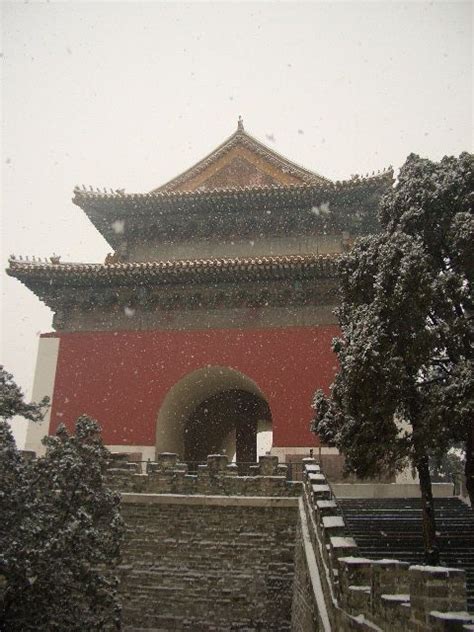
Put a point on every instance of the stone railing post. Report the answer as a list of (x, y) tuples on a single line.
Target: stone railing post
[(435, 588), (268, 465), (217, 464), (123, 475), (390, 590), (354, 584), (167, 460)]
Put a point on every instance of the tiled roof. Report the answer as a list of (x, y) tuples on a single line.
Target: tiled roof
[(173, 271), (198, 215)]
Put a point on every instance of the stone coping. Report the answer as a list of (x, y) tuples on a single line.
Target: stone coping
[(198, 499)]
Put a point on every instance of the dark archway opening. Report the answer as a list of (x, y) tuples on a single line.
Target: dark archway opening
[(226, 422)]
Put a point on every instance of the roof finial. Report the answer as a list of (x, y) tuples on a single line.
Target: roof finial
[(240, 124)]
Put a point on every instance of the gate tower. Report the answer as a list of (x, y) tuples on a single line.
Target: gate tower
[(212, 320)]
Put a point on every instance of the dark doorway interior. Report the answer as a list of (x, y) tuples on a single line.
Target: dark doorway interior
[(209, 426)]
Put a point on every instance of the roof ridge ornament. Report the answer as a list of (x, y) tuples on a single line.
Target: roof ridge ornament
[(240, 124)]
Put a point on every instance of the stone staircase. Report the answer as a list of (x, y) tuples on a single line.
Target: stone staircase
[(391, 528)]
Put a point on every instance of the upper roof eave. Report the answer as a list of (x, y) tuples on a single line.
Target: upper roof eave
[(103, 208), (158, 197)]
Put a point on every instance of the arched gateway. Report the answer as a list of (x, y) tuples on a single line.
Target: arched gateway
[(213, 410), (221, 279)]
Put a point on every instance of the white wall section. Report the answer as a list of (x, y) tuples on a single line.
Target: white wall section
[(43, 385)]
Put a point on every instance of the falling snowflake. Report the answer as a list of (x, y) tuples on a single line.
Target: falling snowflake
[(118, 226)]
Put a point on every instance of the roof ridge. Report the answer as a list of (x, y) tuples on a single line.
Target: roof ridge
[(243, 136), (285, 159), (187, 172)]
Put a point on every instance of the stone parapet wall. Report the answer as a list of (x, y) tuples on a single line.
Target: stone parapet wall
[(215, 551), (206, 551), (304, 609), (363, 594), (207, 562), (217, 477), (310, 606)]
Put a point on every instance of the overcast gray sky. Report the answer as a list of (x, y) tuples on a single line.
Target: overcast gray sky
[(127, 95)]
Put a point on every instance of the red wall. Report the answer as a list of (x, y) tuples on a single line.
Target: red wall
[(121, 378)]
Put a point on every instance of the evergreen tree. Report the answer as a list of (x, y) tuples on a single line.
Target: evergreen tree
[(12, 401), (448, 467), (60, 529), (405, 386)]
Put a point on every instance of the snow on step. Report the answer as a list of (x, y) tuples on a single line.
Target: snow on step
[(460, 617), (364, 589), (398, 598)]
